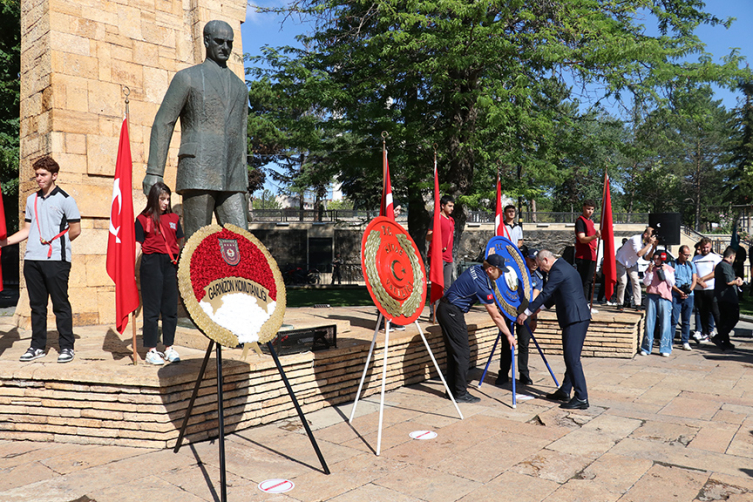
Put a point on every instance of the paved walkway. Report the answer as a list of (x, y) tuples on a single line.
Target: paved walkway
[(674, 429)]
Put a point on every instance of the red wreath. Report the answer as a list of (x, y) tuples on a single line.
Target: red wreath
[(208, 265)]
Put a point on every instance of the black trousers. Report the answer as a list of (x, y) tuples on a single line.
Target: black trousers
[(455, 332), (707, 304), (159, 295), (505, 358), (586, 269), (573, 336), (729, 314), (45, 280)]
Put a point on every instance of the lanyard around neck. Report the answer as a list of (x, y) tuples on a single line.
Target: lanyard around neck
[(39, 229)]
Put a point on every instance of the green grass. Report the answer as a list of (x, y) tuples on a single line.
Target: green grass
[(351, 297), (746, 304), (335, 297)]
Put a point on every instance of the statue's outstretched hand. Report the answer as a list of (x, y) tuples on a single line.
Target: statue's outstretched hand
[(149, 180)]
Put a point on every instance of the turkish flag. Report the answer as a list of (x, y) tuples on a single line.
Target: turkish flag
[(386, 208), (121, 244), (3, 229), (436, 276), (500, 229), (608, 267)]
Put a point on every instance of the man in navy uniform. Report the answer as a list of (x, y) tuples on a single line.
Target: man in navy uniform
[(473, 285), (565, 290)]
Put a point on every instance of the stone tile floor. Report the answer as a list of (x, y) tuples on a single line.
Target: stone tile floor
[(663, 429)]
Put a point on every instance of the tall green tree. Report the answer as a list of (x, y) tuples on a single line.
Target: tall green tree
[(10, 90), (285, 130), (740, 177), (482, 80), (678, 156)]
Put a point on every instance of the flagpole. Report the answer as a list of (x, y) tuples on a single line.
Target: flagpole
[(132, 315), (598, 242)]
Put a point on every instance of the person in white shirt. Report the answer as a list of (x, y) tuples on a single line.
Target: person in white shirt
[(638, 246), (705, 262), (515, 230)]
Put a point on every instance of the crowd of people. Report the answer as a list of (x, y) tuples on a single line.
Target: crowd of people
[(706, 283)]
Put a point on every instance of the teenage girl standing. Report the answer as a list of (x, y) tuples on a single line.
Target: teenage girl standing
[(159, 237)]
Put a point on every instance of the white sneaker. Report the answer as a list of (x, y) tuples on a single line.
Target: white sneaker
[(594, 311), (686, 346), (32, 354), (665, 354), (172, 356), (697, 335), (154, 357), (611, 304), (644, 353)]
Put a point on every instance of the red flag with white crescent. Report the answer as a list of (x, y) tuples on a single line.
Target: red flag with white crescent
[(3, 229), (500, 228), (386, 209), (121, 243), (608, 267), (436, 275)]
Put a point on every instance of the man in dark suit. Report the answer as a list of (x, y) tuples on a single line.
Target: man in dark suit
[(212, 103), (565, 290)]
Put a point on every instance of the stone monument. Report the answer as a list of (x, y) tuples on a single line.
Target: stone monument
[(76, 58)]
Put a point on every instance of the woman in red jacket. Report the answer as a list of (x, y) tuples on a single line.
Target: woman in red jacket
[(159, 237)]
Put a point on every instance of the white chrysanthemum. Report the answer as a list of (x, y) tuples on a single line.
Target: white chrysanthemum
[(241, 314)]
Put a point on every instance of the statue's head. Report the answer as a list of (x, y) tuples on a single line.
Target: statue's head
[(218, 39)]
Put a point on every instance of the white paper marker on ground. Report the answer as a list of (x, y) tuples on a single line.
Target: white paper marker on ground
[(423, 434), (276, 486)]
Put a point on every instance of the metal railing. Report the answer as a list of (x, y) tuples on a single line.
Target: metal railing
[(310, 215), (313, 216)]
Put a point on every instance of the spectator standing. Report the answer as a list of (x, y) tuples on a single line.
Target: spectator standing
[(705, 262), (659, 279), (725, 293), (683, 299), (446, 206), (739, 264), (514, 229), (51, 223), (638, 246), (159, 237), (337, 264), (586, 241)]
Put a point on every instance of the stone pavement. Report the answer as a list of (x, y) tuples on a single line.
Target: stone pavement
[(678, 428)]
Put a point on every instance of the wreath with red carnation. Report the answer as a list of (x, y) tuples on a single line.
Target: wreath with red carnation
[(231, 286)]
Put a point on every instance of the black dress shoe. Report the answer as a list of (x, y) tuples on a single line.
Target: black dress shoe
[(467, 398), (575, 404), (501, 380), (558, 395), (717, 340), (524, 380)]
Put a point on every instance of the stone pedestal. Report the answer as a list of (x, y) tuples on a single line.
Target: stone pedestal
[(77, 57)]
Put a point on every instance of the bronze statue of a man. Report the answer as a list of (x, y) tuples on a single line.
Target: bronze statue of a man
[(212, 103)]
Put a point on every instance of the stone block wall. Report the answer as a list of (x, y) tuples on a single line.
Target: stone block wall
[(77, 56)]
